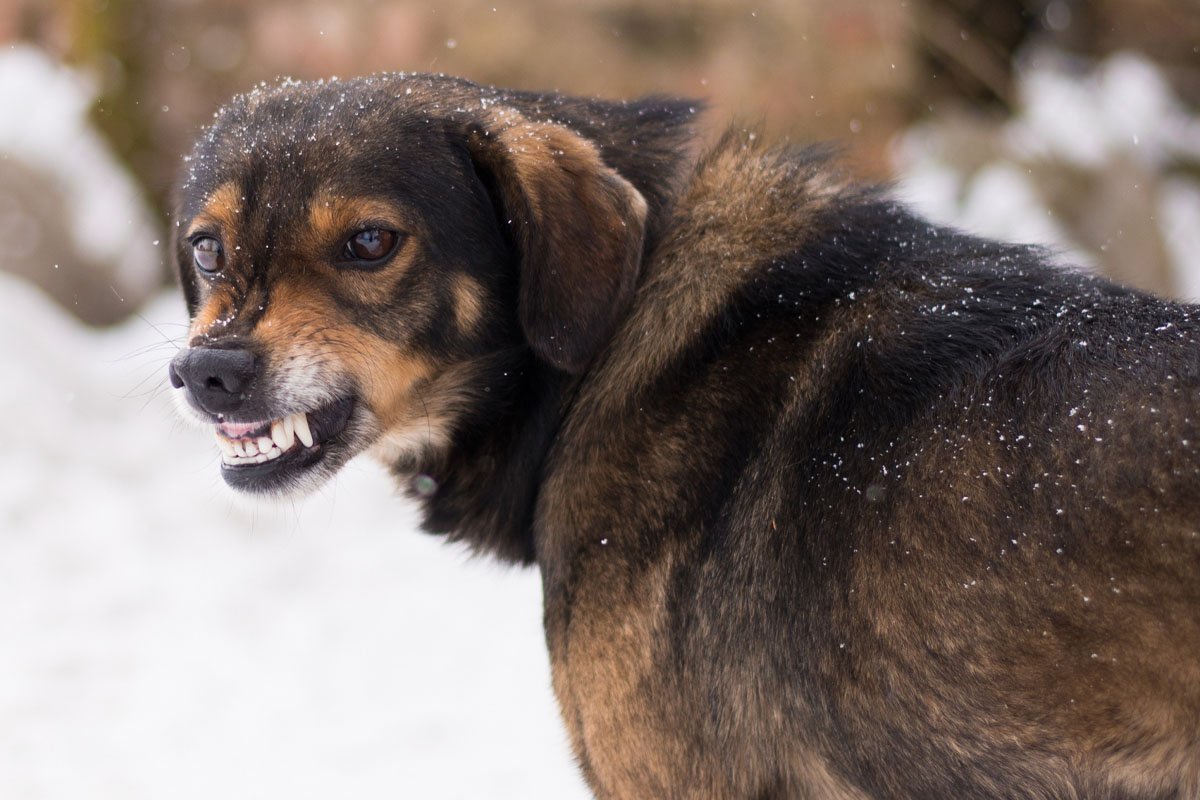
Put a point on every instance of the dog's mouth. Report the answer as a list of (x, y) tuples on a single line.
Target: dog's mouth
[(272, 454)]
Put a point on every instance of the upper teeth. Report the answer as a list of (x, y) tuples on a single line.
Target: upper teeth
[(256, 450), (300, 423)]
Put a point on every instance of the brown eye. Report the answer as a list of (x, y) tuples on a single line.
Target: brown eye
[(373, 244), (206, 251)]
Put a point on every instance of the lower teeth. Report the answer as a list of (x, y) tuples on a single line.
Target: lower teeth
[(236, 460)]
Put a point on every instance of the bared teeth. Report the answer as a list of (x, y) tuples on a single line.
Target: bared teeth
[(303, 432), (283, 435), (280, 435)]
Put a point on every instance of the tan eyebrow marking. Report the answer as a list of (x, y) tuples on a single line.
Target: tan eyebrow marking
[(468, 302), (222, 208), (332, 216)]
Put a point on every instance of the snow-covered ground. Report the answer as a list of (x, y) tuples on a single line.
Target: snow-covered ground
[(160, 639)]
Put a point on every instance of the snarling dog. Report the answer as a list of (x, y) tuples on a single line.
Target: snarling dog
[(828, 501)]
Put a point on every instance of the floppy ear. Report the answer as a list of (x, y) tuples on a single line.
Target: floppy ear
[(578, 227)]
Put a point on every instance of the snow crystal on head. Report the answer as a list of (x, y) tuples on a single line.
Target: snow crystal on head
[(283, 117)]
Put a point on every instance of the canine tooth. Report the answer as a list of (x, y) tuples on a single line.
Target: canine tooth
[(239, 448), (250, 446), (281, 435), (302, 430), (289, 428), (225, 446), (265, 443)]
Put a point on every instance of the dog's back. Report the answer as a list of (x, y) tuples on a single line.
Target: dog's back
[(862, 506)]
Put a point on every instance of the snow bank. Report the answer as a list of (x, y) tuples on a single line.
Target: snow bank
[(45, 132), (1107, 143), (164, 640), (49, 130)]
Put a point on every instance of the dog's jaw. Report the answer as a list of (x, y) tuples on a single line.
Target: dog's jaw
[(296, 451), (270, 461)]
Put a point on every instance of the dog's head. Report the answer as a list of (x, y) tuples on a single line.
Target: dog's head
[(354, 254)]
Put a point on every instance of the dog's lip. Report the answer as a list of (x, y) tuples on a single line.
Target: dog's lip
[(295, 439)]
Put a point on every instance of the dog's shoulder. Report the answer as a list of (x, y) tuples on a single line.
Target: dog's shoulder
[(787, 302)]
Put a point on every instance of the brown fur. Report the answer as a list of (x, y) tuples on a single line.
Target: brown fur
[(469, 303), (828, 502), (222, 207), (565, 200)]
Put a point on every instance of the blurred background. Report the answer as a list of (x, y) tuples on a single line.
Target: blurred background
[(159, 639)]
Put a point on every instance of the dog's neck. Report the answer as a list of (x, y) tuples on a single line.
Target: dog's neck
[(477, 468)]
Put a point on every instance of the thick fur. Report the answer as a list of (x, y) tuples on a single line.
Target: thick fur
[(829, 502)]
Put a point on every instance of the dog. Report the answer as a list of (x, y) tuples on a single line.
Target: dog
[(828, 501)]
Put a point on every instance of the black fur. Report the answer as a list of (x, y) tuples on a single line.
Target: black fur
[(838, 503)]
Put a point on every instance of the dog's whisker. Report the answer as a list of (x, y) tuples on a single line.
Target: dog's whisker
[(157, 328), (143, 351), (155, 393)]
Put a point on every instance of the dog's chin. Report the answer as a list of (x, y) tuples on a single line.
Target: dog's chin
[(338, 431)]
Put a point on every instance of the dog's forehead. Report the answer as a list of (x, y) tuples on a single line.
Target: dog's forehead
[(291, 139)]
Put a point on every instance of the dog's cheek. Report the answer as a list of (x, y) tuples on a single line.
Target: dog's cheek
[(388, 380), (304, 330), (295, 335)]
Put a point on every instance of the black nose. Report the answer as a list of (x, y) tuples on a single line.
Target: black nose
[(218, 379)]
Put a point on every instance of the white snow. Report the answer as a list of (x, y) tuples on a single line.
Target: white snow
[(1121, 106), (1069, 112), (999, 200), (1179, 205), (160, 639), (44, 126)]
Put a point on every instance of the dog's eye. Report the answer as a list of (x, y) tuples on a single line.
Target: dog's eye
[(208, 255), (373, 244)]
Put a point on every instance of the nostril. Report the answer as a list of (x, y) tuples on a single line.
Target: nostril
[(230, 384), (232, 381), (173, 377)]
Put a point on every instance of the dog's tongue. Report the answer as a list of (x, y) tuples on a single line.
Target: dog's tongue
[(235, 430)]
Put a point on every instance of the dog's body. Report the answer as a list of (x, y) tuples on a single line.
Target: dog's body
[(828, 502)]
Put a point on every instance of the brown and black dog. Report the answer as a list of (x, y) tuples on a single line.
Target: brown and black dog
[(828, 501)]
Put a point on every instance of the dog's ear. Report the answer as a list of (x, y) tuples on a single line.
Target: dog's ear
[(577, 225)]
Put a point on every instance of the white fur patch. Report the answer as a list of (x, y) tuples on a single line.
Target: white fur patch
[(410, 441)]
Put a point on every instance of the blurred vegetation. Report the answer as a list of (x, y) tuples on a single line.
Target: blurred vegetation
[(855, 71)]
